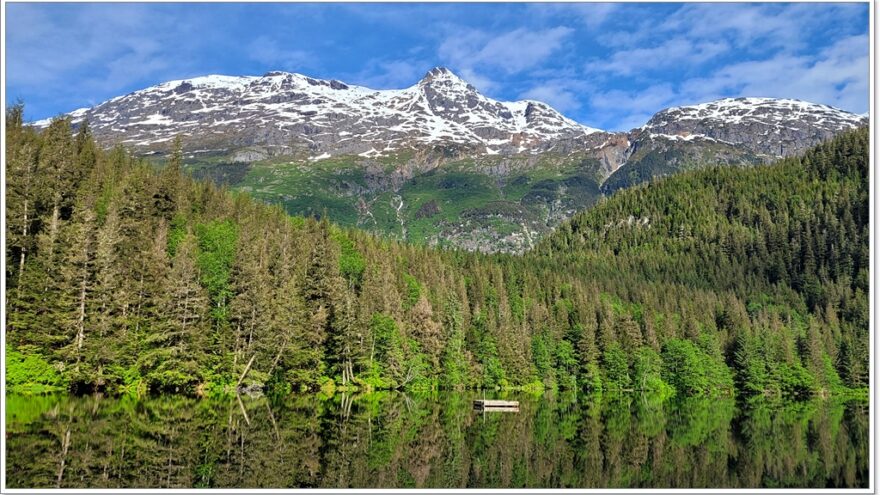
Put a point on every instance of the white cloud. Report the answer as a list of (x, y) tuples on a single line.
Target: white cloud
[(478, 55), (740, 50), (591, 15), (742, 23), (653, 97), (104, 50), (566, 94), (594, 14), (482, 83), (624, 110), (560, 99), (388, 74), (269, 52), (71, 54), (758, 27), (837, 76), (46, 46), (675, 52), (512, 51)]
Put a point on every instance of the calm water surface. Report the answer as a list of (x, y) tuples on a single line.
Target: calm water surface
[(399, 440)]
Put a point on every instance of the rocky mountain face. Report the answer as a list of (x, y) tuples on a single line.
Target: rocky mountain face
[(727, 131), (764, 126), (294, 115), (437, 162)]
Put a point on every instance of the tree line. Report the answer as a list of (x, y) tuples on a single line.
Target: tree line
[(125, 277)]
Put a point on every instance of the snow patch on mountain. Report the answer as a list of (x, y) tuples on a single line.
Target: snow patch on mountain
[(768, 127), (761, 110), (293, 112)]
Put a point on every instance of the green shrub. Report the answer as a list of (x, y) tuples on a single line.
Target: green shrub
[(413, 291), (27, 371), (351, 261), (616, 368), (691, 371), (795, 380), (216, 254)]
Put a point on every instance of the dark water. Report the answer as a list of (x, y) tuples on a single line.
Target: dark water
[(398, 440)]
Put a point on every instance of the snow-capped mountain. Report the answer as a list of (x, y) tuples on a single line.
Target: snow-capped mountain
[(283, 113), (295, 114), (400, 161), (765, 126), (726, 131)]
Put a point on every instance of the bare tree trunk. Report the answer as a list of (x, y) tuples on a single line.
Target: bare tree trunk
[(81, 322), (121, 460), (53, 228), (65, 444), (243, 411), (274, 424), (105, 475), (137, 308), (408, 378), (237, 345), (345, 368), (251, 333), (241, 458), (278, 357), (246, 369), (24, 233)]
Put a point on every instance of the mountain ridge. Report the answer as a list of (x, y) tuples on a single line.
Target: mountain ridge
[(291, 114), (438, 86), (437, 162), (439, 107)]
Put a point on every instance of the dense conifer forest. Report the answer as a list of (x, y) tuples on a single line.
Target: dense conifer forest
[(724, 281)]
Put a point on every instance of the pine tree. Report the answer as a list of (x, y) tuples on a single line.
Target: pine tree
[(77, 272), (176, 342), (23, 194)]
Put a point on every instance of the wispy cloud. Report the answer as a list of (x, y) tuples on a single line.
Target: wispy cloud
[(560, 99), (481, 57), (564, 94), (592, 15), (511, 51), (721, 50), (837, 75), (605, 64), (757, 27), (390, 74), (624, 110), (270, 52), (674, 53), (69, 51)]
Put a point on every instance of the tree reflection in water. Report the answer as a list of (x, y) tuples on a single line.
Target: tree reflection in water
[(399, 440)]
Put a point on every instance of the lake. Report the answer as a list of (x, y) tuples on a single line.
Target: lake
[(404, 440)]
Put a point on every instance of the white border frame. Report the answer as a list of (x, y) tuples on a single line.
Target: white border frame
[(872, 7)]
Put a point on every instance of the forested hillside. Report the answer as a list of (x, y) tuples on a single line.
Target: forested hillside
[(121, 277)]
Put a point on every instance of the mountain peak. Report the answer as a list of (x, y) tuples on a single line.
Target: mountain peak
[(753, 109), (438, 74), (769, 127)]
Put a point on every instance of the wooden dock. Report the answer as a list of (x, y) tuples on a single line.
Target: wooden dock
[(496, 405)]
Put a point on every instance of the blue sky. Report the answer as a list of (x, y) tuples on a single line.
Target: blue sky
[(605, 65)]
